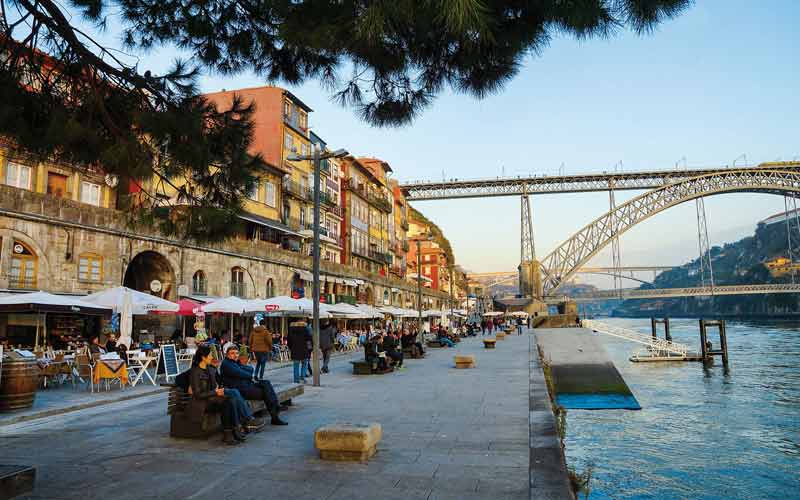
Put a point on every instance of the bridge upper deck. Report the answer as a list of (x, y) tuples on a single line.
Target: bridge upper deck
[(581, 183)]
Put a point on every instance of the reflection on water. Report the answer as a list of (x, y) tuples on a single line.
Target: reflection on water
[(701, 433)]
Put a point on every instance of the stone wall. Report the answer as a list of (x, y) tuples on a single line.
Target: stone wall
[(59, 231)]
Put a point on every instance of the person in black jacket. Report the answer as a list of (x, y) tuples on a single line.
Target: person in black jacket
[(205, 393), (297, 341), (235, 375), (327, 337), (390, 346)]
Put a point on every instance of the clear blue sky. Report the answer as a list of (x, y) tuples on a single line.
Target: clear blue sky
[(718, 82)]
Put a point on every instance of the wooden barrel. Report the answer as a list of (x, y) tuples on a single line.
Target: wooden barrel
[(18, 384)]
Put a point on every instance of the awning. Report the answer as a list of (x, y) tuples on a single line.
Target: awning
[(263, 221)]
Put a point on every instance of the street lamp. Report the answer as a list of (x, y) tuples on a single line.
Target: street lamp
[(317, 156)]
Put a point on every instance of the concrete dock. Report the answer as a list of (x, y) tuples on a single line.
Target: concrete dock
[(583, 374)]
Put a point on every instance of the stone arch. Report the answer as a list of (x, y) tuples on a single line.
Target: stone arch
[(8, 235), (149, 266), (565, 260)]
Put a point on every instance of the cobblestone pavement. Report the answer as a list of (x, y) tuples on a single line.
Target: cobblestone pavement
[(447, 434)]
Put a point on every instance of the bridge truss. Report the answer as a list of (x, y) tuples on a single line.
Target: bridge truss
[(575, 252)]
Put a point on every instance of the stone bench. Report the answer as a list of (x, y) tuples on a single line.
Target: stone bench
[(412, 352), (500, 336), (347, 442), (362, 367), (434, 344), (16, 480), (489, 343), (181, 425), (464, 361)]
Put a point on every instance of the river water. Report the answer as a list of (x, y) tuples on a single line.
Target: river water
[(701, 433)]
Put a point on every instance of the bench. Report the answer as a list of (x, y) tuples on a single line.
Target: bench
[(182, 426), (489, 343), (361, 367), (434, 343)]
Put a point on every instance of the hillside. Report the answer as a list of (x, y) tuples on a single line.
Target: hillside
[(739, 263)]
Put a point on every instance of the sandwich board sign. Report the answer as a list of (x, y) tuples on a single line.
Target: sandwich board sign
[(170, 357)]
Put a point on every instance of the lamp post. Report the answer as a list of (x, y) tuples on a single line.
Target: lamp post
[(317, 156)]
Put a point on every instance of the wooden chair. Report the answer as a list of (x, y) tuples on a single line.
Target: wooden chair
[(83, 370)]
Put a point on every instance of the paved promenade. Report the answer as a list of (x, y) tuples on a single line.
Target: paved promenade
[(448, 434)]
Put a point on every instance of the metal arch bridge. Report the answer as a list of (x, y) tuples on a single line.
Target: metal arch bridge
[(701, 291), (626, 272), (565, 260), (522, 186)]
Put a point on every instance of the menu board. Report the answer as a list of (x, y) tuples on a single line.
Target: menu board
[(170, 358)]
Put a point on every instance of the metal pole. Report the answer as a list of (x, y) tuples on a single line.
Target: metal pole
[(419, 291), (451, 293), (315, 324)]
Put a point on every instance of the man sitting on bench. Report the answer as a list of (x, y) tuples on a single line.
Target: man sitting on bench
[(235, 375)]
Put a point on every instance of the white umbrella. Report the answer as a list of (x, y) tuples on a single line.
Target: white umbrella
[(493, 313), (229, 305), (276, 304), (370, 311), (126, 321), (141, 303), (521, 314), (433, 312), (348, 310)]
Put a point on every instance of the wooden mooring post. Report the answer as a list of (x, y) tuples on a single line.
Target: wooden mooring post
[(706, 349), (654, 328)]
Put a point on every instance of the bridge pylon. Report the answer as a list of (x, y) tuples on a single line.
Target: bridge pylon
[(530, 280)]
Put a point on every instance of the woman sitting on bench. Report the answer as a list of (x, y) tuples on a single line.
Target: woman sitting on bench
[(206, 394), (409, 340)]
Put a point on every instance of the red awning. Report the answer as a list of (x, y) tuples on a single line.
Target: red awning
[(186, 307)]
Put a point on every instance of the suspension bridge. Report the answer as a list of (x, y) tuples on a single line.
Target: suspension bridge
[(542, 278)]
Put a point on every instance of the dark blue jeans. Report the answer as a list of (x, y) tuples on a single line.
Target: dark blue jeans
[(261, 363)]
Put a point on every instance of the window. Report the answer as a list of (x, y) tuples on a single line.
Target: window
[(303, 119), (18, 175), (90, 267), (199, 283), (237, 283), (90, 193), (270, 194), (304, 149), (270, 288), (302, 218), (23, 267), (288, 143), (253, 194), (287, 108)]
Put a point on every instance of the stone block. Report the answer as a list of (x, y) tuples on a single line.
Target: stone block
[(500, 336), (489, 343), (464, 361), (347, 442)]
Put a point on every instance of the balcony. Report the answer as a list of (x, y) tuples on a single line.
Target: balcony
[(380, 256), (404, 223), (327, 199), (404, 245), (336, 210), (347, 299), (293, 223), (297, 190), (379, 202), (239, 289)]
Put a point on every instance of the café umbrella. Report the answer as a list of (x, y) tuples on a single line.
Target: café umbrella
[(141, 303)]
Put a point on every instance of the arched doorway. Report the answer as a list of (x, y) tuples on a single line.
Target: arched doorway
[(151, 272)]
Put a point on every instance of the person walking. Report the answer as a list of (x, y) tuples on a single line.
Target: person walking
[(483, 326), (519, 326), (260, 344), (298, 348), (327, 337), (490, 326)]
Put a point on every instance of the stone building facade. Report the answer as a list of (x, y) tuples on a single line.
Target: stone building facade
[(77, 248)]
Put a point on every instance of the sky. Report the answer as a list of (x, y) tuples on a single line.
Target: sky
[(717, 83)]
